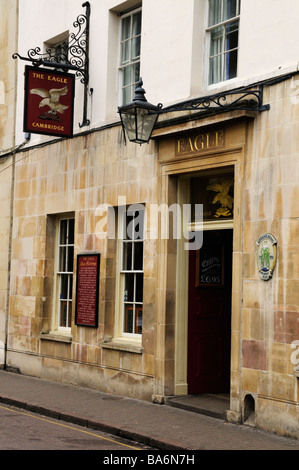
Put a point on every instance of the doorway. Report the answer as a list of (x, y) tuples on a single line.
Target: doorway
[(209, 317)]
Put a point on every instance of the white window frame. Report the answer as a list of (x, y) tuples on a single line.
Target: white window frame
[(131, 62), (121, 300), (223, 23), (59, 274)]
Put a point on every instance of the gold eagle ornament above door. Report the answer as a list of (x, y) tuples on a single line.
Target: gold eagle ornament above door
[(216, 193), (223, 198)]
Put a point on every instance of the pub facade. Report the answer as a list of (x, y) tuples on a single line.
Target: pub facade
[(168, 268)]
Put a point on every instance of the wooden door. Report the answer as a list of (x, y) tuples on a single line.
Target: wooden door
[(209, 318)]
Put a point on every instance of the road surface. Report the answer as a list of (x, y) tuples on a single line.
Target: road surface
[(22, 430)]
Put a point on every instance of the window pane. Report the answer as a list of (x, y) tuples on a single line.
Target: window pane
[(70, 259), (125, 55), (62, 260), (127, 75), (70, 294), (135, 225), (139, 287), (71, 231), (232, 35), (214, 12), (136, 75), (217, 40), (61, 52), (138, 256), (139, 225), (129, 319), (64, 287), (138, 320), (216, 69), (130, 227), (63, 314), (136, 29), (231, 64), (127, 256), (229, 9), (129, 288), (127, 95), (63, 232), (136, 47), (126, 28), (69, 324)]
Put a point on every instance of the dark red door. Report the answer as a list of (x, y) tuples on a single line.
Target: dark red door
[(209, 324)]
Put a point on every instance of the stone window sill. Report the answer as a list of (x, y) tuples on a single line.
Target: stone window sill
[(59, 337), (123, 345), (296, 373)]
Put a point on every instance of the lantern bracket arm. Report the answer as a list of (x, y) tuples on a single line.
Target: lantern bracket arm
[(248, 99)]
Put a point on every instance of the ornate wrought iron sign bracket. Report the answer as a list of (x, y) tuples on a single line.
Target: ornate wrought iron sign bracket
[(72, 55)]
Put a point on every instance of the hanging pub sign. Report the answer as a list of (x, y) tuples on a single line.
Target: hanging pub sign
[(87, 289), (49, 102)]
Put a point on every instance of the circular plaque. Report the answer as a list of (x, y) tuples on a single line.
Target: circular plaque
[(266, 255)]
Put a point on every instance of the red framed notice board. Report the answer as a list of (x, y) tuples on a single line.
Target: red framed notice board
[(87, 290), (49, 102)]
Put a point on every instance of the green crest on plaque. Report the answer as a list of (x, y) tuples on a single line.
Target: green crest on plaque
[(266, 255)]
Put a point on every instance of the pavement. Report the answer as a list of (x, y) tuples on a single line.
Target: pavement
[(162, 427)]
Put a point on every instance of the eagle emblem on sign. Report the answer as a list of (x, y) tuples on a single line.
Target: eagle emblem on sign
[(51, 98)]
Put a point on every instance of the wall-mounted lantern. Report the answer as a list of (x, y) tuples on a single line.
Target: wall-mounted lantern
[(139, 117)]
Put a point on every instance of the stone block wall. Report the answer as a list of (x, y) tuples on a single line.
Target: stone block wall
[(5, 198), (76, 176), (270, 317)]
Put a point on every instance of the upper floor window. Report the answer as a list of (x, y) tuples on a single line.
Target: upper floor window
[(57, 48), (60, 52), (130, 54), (223, 30)]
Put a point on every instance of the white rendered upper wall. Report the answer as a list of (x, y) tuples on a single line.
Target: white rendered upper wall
[(173, 47), (269, 37)]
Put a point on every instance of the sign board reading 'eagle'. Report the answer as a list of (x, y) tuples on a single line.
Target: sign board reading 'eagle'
[(49, 102)]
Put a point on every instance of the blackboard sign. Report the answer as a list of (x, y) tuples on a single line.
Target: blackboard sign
[(87, 290), (210, 266)]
